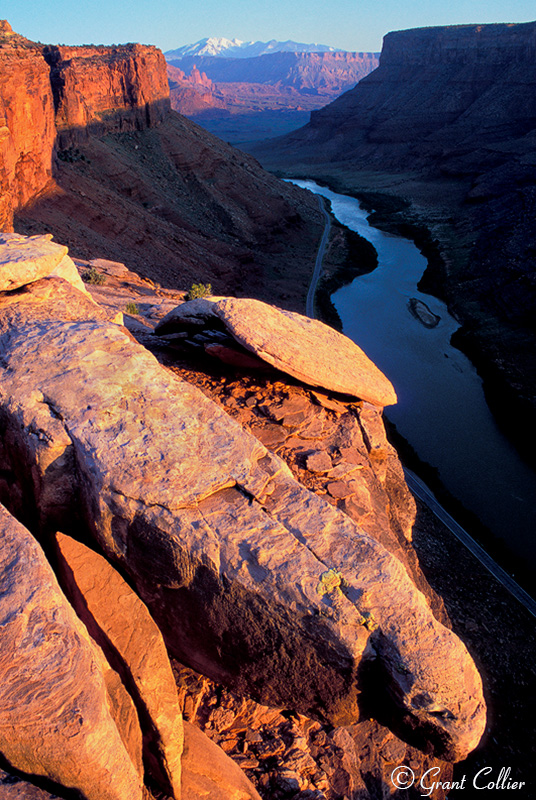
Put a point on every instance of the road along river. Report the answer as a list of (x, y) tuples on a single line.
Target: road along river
[(441, 409)]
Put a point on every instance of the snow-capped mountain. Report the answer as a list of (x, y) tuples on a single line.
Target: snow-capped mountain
[(235, 48)]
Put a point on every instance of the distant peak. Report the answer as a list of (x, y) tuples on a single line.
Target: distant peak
[(221, 47)]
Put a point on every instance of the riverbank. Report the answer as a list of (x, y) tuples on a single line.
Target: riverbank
[(435, 216), (441, 408)]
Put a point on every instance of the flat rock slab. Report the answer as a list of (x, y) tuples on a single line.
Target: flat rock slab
[(224, 545), (305, 348), (54, 707), (24, 259)]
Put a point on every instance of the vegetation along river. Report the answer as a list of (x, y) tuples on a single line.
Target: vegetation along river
[(441, 409)]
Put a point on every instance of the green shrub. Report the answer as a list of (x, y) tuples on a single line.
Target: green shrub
[(330, 581), (132, 308), (199, 290), (93, 277)]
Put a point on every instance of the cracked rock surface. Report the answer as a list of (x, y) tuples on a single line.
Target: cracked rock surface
[(55, 718), (227, 549)]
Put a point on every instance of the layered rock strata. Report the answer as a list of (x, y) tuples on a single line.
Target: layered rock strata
[(106, 89), (296, 597), (90, 150), (280, 83), (290, 342), (27, 128)]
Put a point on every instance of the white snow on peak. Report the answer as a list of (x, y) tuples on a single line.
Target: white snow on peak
[(235, 48)]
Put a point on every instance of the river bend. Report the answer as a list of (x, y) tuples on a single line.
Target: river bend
[(442, 411)]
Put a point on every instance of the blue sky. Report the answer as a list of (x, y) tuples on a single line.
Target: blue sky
[(348, 24)]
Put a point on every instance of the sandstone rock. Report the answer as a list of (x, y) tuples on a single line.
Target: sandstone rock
[(90, 81), (192, 313), (54, 715), (219, 537), (275, 82), (27, 130), (66, 269), (117, 617), (305, 348), (319, 462), (326, 761), (115, 268), (209, 773), (12, 787), (24, 259)]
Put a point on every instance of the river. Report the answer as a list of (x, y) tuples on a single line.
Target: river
[(441, 409)]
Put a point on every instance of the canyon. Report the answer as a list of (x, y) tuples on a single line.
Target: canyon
[(439, 141), (241, 98), (172, 462), (85, 130)]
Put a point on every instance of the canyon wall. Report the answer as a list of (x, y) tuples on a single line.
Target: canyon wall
[(243, 99), (27, 129), (112, 88), (49, 96), (91, 151), (439, 94)]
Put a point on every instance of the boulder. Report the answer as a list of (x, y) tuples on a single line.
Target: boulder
[(24, 259), (55, 719), (115, 268), (66, 269), (305, 348), (253, 580), (119, 620)]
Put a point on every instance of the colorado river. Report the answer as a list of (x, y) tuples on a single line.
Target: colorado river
[(441, 409)]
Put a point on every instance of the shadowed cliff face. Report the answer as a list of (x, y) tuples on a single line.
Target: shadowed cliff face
[(448, 122), (439, 94)]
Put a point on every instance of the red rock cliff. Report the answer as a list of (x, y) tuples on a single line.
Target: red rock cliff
[(53, 95), (27, 130), (112, 88)]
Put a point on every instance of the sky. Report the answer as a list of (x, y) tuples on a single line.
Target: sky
[(345, 24)]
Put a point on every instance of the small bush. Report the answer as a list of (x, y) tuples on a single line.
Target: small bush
[(199, 290), (93, 277), (330, 581), (132, 308)]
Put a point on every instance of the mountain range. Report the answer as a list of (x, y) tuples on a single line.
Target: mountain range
[(246, 91), (219, 47)]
